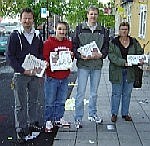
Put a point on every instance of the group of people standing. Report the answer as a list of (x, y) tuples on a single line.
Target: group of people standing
[(26, 85)]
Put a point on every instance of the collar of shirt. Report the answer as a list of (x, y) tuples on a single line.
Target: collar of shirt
[(92, 28), (29, 36), (21, 30)]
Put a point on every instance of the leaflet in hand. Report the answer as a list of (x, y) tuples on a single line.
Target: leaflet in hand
[(32, 63), (135, 59), (87, 49), (61, 59)]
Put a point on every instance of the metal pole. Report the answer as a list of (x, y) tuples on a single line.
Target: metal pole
[(47, 22), (44, 32)]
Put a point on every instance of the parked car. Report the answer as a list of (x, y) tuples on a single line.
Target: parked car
[(8, 27), (2, 28), (3, 43)]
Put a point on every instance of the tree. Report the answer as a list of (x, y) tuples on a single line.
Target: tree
[(12, 7), (74, 12), (77, 12)]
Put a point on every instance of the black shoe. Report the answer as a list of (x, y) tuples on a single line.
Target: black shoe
[(114, 118), (127, 117), (21, 137), (35, 127)]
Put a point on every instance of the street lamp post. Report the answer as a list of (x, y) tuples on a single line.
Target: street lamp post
[(47, 20)]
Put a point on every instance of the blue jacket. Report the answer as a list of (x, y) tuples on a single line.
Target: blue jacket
[(18, 48)]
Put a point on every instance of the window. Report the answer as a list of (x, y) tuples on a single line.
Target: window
[(129, 13), (127, 7), (142, 23)]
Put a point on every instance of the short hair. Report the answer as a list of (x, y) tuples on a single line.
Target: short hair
[(28, 10), (124, 24), (62, 22), (92, 8)]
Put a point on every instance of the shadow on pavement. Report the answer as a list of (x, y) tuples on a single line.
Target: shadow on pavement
[(7, 130)]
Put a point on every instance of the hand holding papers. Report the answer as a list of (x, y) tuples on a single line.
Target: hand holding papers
[(137, 59), (90, 50), (60, 60), (37, 66)]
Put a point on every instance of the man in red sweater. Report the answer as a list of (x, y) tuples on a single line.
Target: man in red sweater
[(57, 53)]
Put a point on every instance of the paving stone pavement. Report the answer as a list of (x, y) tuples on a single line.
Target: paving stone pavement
[(135, 133)]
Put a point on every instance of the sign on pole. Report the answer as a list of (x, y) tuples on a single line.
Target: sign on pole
[(43, 12)]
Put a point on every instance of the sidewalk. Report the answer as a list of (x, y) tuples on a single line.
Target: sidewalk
[(135, 133)]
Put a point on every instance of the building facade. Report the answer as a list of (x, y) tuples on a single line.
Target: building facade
[(136, 13)]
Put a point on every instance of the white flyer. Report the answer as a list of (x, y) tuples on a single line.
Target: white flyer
[(33, 63), (60, 60), (87, 49), (135, 59)]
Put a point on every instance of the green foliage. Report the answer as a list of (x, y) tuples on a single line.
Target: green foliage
[(77, 13), (107, 20), (73, 12)]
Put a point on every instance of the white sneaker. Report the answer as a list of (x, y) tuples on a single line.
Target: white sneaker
[(49, 126), (78, 124), (62, 123), (96, 119)]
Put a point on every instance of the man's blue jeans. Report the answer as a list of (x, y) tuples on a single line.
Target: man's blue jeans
[(26, 91), (121, 92), (56, 91), (83, 75)]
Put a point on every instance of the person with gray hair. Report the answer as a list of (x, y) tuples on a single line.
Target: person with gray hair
[(89, 65)]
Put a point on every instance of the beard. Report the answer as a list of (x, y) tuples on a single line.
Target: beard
[(27, 27)]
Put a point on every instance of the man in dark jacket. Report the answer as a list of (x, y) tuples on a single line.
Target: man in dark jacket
[(22, 42), (89, 63)]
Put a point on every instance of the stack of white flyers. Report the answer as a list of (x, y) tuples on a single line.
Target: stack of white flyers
[(33, 63), (135, 59), (87, 49), (61, 59)]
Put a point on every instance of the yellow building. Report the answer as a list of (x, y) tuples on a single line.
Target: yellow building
[(136, 13)]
